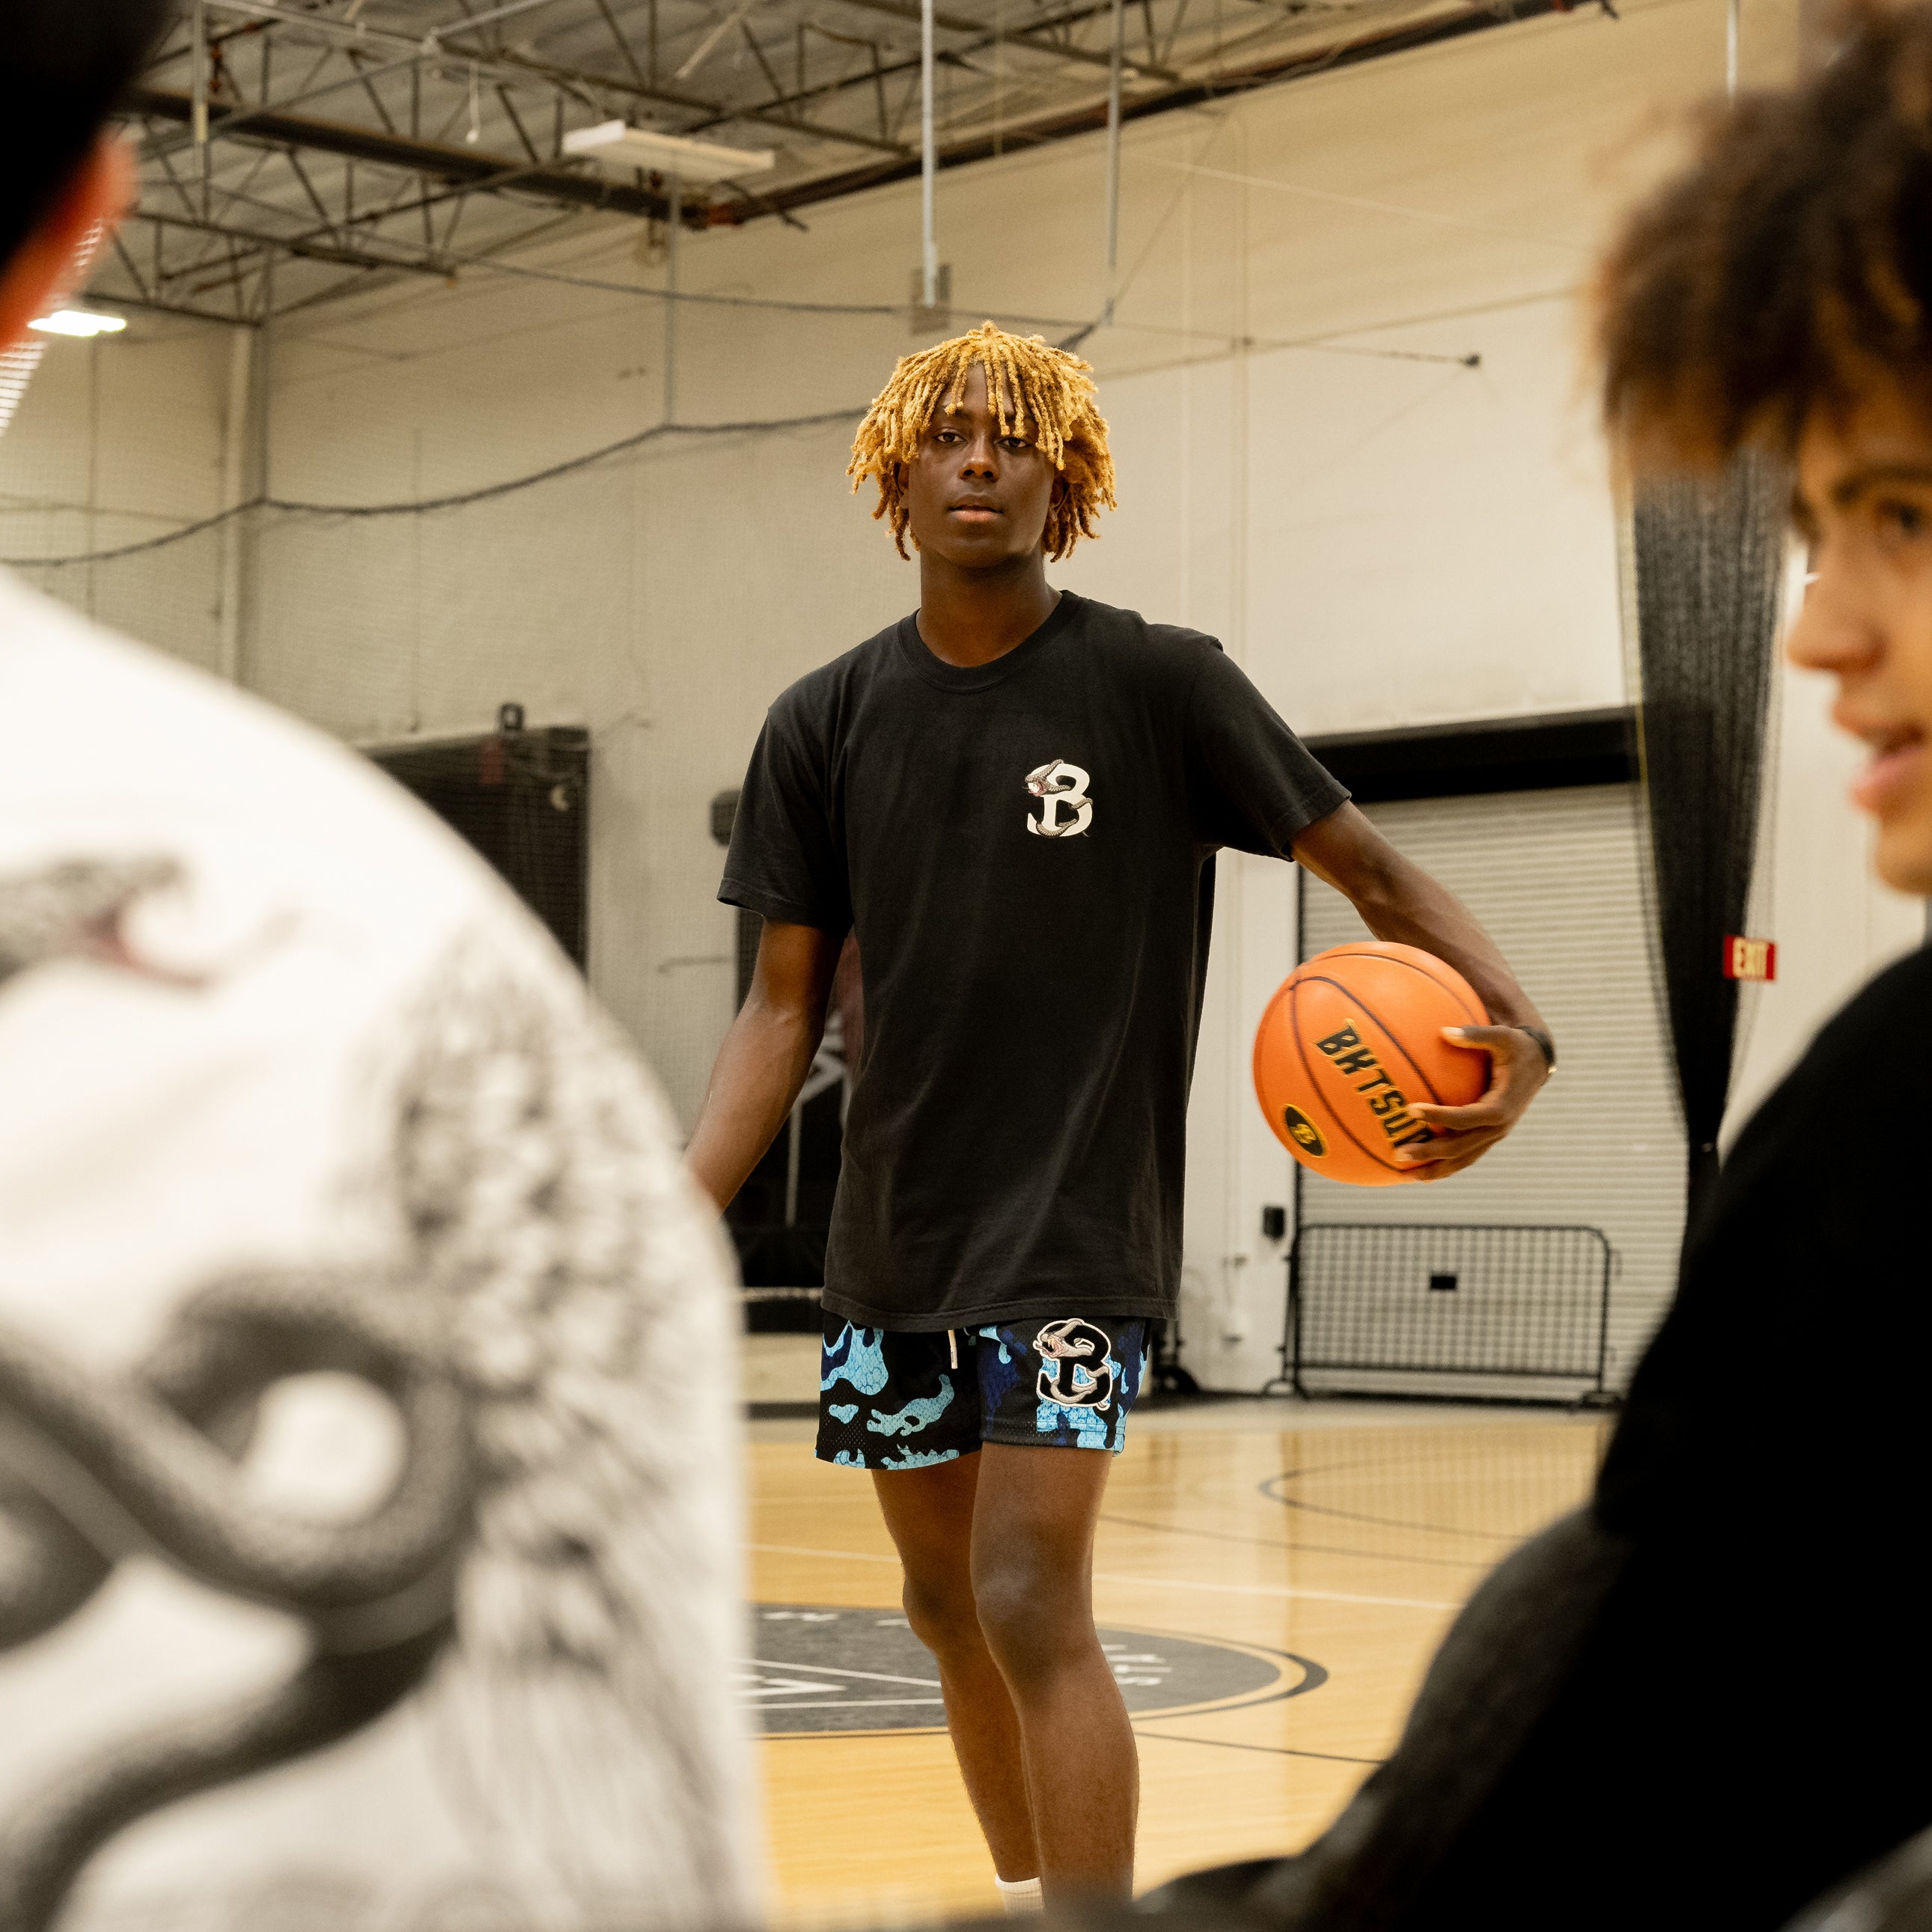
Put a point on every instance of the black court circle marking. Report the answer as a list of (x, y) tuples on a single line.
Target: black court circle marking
[(823, 1669), (1274, 1488)]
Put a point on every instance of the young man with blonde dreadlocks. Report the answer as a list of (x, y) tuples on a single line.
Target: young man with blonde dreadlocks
[(1013, 797)]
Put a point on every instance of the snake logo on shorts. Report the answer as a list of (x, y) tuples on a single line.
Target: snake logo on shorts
[(1075, 1370)]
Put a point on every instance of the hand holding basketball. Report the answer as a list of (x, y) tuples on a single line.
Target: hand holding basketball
[(1369, 1063), (1463, 1135)]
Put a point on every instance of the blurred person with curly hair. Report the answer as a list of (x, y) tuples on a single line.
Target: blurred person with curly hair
[(1704, 1699), (1013, 798)]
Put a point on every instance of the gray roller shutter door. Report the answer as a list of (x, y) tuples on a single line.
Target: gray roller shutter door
[(1554, 876)]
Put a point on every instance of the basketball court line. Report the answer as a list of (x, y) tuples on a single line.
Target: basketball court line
[(1272, 1750), (837, 1555), (1281, 1546), (836, 1670), (1276, 1590), (1153, 1583), (1269, 1490), (852, 1704)]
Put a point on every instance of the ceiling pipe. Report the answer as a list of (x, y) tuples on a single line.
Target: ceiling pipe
[(1113, 208), (928, 161)]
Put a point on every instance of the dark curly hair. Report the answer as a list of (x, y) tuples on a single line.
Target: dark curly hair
[(63, 65), (1789, 265)]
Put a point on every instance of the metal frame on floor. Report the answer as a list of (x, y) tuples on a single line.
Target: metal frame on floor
[(1540, 1311)]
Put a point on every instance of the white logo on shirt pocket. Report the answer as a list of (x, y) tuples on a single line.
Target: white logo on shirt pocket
[(1057, 784)]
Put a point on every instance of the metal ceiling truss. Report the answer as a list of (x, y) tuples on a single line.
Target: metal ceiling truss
[(292, 150)]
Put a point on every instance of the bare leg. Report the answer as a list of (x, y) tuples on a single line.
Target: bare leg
[(1034, 1519), (929, 1513)]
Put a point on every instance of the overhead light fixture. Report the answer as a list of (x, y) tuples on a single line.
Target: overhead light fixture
[(619, 145), (79, 322)]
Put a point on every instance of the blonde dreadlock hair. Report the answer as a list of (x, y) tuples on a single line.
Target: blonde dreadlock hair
[(1031, 384)]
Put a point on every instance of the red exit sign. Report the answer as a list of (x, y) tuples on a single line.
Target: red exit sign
[(1750, 959)]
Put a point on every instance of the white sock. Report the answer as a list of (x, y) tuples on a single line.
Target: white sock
[(1020, 1896)]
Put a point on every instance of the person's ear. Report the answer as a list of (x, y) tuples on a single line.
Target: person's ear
[(1057, 501), (54, 260)]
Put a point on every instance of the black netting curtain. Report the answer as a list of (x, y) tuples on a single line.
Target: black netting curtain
[(1709, 564)]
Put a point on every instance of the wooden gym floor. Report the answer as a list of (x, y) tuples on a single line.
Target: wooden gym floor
[(1341, 1534)]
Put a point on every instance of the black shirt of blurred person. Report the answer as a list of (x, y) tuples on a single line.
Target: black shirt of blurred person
[(1744, 1716), (1752, 1719)]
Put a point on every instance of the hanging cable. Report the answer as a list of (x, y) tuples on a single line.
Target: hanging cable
[(569, 466), (199, 59), (670, 305), (457, 500), (448, 259), (928, 161), (1113, 210)]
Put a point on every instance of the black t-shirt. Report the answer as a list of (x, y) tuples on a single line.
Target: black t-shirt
[(1025, 851)]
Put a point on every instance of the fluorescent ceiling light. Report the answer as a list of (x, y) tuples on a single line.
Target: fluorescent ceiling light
[(628, 147), (79, 322)]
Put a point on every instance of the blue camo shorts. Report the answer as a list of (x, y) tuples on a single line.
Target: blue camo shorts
[(896, 1400)]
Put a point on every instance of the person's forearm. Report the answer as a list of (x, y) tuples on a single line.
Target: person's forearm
[(1405, 904), (761, 1069), (1398, 901)]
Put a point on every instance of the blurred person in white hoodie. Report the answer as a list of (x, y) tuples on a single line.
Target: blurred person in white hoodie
[(368, 1486)]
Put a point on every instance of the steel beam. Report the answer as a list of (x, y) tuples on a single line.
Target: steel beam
[(825, 89), (506, 64), (712, 113), (156, 305), (1026, 35), (1059, 125), (471, 167), (335, 255), (464, 170)]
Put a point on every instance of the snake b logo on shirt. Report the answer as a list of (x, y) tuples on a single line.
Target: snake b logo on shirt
[(1074, 1368), (1057, 784)]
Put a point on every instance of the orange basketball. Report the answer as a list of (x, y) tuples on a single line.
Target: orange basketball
[(1353, 1036)]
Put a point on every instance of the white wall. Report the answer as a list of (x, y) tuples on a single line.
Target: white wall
[(1380, 535), (118, 440)]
